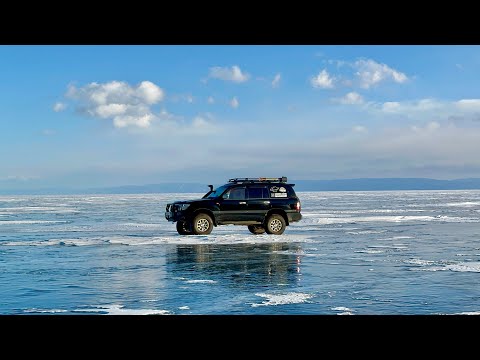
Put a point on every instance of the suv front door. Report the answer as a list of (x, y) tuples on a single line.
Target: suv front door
[(233, 205)]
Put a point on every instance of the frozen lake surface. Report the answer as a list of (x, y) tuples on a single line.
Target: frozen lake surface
[(389, 252)]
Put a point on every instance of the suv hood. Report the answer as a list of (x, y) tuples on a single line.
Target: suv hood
[(191, 201)]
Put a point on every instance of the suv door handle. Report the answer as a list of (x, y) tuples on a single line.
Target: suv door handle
[(266, 202), (242, 202)]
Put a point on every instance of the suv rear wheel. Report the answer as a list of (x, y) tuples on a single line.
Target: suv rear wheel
[(275, 224), (182, 228), (202, 224), (256, 229)]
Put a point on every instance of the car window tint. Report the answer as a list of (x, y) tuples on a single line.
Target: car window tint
[(256, 192), (265, 193), (236, 194)]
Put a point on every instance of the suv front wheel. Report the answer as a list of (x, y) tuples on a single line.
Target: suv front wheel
[(275, 224), (202, 224), (182, 228)]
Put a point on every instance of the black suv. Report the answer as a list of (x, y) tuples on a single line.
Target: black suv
[(264, 204)]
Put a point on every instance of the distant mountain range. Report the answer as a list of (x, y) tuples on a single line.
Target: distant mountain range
[(364, 184)]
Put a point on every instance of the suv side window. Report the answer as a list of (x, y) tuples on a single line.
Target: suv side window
[(258, 192), (235, 194)]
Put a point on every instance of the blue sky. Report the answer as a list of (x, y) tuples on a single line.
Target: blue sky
[(88, 116)]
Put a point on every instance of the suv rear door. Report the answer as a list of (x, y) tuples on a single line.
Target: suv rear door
[(282, 197), (258, 202)]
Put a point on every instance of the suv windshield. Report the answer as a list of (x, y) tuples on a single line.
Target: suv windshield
[(217, 192)]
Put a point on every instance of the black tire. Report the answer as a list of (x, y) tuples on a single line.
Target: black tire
[(275, 224), (256, 229), (202, 224), (182, 228)]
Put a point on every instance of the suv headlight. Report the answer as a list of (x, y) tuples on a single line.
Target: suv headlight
[(182, 207)]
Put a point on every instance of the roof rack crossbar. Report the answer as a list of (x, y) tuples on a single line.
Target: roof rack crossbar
[(282, 179)]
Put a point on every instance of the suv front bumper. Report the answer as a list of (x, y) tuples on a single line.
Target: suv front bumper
[(172, 214)]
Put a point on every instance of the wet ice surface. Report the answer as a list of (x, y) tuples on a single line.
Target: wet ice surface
[(354, 253)]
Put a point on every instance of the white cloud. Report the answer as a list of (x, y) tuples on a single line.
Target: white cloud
[(234, 102), (371, 73), (233, 74), (352, 98), (211, 100), (468, 104), (203, 126), (391, 106), (142, 121), (410, 107), (109, 110), (431, 126), (175, 126), (395, 151), (149, 92), (276, 80), (461, 111), (323, 80), (165, 115), (124, 104), (199, 122), (359, 129), (59, 106)]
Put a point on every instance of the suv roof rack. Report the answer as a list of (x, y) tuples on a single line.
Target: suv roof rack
[(282, 179)]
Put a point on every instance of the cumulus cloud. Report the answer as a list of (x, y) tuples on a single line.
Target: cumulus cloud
[(352, 98), (149, 92), (59, 106), (124, 104), (276, 80), (322, 81), (234, 102), (142, 121), (211, 100), (233, 74), (370, 73)]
